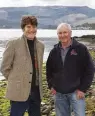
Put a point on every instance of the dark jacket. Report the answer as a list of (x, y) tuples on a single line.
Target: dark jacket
[(76, 73)]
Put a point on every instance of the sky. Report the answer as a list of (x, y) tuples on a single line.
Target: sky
[(18, 3)]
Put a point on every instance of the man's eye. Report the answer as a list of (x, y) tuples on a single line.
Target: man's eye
[(29, 27), (34, 32)]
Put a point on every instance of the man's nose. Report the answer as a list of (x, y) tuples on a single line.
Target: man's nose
[(30, 31), (62, 34)]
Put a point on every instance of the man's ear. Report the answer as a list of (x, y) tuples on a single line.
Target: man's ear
[(71, 32), (23, 29)]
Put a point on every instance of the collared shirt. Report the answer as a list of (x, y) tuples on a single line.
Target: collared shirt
[(64, 51)]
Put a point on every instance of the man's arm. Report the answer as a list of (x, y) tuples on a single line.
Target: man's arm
[(86, 80), (7, 59), (49, 70)]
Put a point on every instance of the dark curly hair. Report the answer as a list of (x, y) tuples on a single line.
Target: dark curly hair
[(28, 20)]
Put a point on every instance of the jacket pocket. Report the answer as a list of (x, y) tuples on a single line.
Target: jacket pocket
[(14, 86), (58, 79)]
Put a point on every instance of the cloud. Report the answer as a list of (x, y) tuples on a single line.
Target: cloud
[(67, 2), (58, 2), (73, 3), (17, 3), (9, 3)]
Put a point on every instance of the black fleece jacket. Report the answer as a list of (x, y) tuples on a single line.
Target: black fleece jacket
[(76, 73)]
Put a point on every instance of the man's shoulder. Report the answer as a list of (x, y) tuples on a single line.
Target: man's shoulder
[(41, 43), (54, 49), (81, 48), (81, 45), (14, 40)]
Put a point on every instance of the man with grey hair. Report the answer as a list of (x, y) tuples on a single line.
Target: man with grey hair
[(69, 73)]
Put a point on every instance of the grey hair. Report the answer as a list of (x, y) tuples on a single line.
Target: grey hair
[(64, 24)]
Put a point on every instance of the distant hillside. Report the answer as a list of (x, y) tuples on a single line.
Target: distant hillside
[(49, 16)]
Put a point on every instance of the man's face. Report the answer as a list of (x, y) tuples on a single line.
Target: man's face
[(30, 31), (64, 34)]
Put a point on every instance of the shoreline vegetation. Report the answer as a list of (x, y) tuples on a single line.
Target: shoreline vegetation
[(47, 106)]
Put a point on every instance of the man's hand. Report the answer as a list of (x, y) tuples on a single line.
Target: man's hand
[(53, 92), (80, 94)]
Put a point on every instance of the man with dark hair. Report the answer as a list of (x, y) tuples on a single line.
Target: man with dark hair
[(69, 72), (22, 67)]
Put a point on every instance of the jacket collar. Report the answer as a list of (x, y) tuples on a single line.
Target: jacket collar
[(73, 45)]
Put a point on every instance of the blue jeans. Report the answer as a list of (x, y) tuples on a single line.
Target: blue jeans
[(32, 105), (65, 103)]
